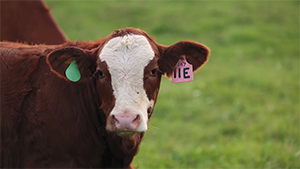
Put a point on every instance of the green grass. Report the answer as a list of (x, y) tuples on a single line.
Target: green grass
[(242, 110)]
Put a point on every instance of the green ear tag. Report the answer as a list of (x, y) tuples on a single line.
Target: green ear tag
[(72, 72)]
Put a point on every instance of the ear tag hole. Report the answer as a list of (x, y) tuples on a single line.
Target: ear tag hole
[(183, 71), (72, 72)]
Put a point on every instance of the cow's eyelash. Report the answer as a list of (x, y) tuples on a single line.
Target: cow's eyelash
[(100, 73), (153, 71)]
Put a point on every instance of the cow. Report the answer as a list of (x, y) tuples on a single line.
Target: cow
[(30, 22), (75, 105)]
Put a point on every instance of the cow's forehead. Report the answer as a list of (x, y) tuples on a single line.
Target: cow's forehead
[(130, 49)]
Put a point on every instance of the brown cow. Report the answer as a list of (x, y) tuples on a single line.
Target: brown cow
[(29, 21), (68, 106)]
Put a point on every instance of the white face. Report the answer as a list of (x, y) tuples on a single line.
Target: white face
[(126, 57)]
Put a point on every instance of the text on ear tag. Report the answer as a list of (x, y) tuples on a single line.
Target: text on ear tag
[(183, 72), (72, 72)]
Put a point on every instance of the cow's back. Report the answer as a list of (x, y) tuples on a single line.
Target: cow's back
[(29, 21), (15, 71), (17, 62)]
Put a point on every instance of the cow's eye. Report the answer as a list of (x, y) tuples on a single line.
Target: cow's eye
[(153, 71), (100, 73)]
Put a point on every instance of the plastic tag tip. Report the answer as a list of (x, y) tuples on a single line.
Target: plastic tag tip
[(183, 71), (72, 72)]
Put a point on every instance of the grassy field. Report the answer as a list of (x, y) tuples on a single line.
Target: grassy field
[(242, 110)]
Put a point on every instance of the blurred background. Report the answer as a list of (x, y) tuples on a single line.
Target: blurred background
[(242, 110)]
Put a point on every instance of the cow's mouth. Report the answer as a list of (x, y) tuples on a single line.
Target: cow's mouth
[(126, 133)]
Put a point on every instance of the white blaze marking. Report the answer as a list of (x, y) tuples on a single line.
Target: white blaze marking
[(126, 58)]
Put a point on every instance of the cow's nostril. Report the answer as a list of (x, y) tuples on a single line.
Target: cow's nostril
[(115, 120), (136, 120)]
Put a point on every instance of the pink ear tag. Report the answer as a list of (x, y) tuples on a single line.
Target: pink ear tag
[(183, 72)]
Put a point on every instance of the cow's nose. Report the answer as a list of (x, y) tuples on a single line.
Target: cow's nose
[(126, 122)]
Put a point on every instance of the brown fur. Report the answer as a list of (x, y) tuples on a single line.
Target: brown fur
[(49, 121), (29, 21)]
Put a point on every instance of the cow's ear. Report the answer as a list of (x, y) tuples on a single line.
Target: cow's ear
[(71, 63), (195, 53)]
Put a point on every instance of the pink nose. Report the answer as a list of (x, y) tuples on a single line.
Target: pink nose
[(126, 122)]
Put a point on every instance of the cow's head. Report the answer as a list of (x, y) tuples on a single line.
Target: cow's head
[(128, 66)]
